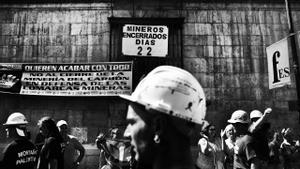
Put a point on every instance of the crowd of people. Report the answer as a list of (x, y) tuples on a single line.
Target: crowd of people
[(244, 143), (54, 148), (163, 113)]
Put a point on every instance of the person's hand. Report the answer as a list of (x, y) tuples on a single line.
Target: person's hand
[(8, 81), (267, 112), (222, 133)]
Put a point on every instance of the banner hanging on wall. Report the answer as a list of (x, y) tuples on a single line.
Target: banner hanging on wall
[(145, 40), (93, 79), (278, 64)]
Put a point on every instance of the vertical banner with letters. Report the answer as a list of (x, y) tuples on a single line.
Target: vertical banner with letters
[(145, 40), (93, 79), (278, 64)]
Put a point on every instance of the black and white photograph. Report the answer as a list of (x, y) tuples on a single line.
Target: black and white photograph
[(149, 84)]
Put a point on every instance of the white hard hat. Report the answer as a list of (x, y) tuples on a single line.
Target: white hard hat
[(255, 114), (173, 91), (239, 116), (61, 122), (16, 119)]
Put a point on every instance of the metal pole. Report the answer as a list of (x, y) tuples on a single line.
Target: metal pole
[(294, 53)]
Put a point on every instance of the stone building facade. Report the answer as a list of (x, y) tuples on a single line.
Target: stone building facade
[(222, 43)]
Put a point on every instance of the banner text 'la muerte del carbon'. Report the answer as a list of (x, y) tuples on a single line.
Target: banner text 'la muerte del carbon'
[(94, 79)]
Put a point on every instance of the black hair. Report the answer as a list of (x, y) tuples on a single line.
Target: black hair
[(49, 123)]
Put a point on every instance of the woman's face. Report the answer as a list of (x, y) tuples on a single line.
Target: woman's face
[(44, 130), (212, 131), (230, 132)]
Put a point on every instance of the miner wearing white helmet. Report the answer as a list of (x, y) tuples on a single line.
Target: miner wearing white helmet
[(162, 112), (245, 156), (20, 153), (258, 118), (259, 128)]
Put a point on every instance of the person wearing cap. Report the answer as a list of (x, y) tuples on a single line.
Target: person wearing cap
[(258, 119), (51, 154), (259, 128), (228, 137), (245, 156), (71, 147), (20, 153), (210, 155), (162, 113)]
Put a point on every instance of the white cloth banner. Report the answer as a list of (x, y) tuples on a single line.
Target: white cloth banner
[(82, 79), (278, 64)]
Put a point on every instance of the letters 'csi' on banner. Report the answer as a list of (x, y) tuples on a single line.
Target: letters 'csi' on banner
[(278, 64), (93, 79), (145, 40)]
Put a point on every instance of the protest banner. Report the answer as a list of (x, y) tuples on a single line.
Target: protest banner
[(145, 40), (93, 79)]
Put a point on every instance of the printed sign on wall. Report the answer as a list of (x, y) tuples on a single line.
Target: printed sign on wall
[(95, 79), (278, 64), (145, 40)]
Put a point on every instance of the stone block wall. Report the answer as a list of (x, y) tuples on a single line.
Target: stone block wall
[(54, 33), (223, 46)]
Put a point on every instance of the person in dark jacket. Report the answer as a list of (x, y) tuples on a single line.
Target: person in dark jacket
[(20, 153), (259, 128), (245, 156)]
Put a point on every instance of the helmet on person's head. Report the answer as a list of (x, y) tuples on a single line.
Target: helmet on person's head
[(173, 91), (239, 116), (61, 122), (16, 119), (255, 114)]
